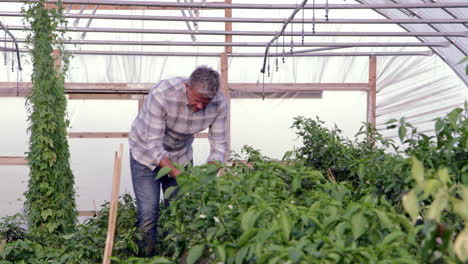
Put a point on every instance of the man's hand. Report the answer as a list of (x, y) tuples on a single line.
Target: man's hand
[(166, 162)]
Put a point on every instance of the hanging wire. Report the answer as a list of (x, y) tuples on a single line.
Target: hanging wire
[(17, 82), (268, 66), (12, 58), (5, 51), (263, 87), (276, 57), (313, 17), (292, 38), (326, 10), (283, 50), (303, 26)]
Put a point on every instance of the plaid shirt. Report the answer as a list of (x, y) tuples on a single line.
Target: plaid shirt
[(165, 126)]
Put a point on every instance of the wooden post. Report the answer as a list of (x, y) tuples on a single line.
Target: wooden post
[(140, 103), (56, 56), (13, 160), (228, 27), (372, 92), (225, 90), (113, 207)]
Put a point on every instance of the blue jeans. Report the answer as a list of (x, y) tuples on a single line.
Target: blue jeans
[(147, 192)]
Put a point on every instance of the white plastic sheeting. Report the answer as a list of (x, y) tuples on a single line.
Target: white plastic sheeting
[(420, 88)]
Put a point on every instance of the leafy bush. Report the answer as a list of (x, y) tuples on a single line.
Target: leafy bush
[(331, 201), (438, 199), (85, 245), (274, 213), (364, 162), (11, 228)]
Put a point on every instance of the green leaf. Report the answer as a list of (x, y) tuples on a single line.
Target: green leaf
[(69, 236), (443, 175), (246, 236), (460, 208), (295, 254), (392, 237), (296, 183), (46, 213), (460, 246), (417, 171), (221, 253), (169, 191), (162, 172), (51, 226), (359, 225), (249, 218), (431, 186), (285, 225), (411, 205), (402, 132), (384, 220), (393, 120), (242, 253), (438, 125), (194, 253), (159, 260), (438, 205)]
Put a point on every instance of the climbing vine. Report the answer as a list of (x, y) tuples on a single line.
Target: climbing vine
[(50, 198)]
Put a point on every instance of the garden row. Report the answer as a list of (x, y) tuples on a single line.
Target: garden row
[(331, 201)]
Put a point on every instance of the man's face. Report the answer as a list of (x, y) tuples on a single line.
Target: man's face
[(196, 101)]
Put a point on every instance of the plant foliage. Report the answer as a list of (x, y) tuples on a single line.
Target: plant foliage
[(331, 201), (50, 198)]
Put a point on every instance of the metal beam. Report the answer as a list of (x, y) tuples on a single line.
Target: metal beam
[(463, 4), (252, 44), (254, 20), (255, 33), (207, 54), (135, 91), (295, 87), (318, 54)]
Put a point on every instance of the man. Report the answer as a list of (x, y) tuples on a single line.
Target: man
[(162, 134)]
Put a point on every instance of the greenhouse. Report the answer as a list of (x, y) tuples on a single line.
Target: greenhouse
[(305, 131)]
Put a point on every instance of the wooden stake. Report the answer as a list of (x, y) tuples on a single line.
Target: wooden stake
[(113, 207), (57, 60), (372, 93), (225, 90)]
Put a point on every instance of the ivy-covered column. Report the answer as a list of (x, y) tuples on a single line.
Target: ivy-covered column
[(50, 198)]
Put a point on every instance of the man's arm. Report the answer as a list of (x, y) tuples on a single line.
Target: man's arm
[(217, 136)]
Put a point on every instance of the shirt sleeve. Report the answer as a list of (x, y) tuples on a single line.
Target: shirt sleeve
[(217, 135), (155, 128)]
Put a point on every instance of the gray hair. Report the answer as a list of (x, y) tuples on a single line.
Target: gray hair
[(206, 80)]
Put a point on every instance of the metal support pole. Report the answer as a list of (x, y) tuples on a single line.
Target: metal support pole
[(245, 55), (461, 4), (256, 33), (255, 20), (250, 44)]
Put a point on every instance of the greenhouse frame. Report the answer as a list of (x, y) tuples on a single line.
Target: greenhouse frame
[(396, 65)]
